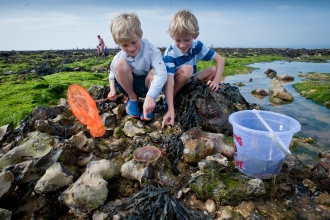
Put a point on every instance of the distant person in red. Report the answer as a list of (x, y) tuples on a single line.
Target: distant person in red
[(101, 44)]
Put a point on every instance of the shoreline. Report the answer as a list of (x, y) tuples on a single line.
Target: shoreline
[(290, 52)]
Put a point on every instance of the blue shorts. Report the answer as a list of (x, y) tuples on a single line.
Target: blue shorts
[(138, 86)]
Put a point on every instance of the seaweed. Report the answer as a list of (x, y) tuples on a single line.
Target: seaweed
[(155, 204)]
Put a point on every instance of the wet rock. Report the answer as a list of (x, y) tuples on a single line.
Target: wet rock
[(3, 130), (84, 161), (134, 170), (285, 77), (325, 154), (155, 136), (131, 130), (109, 120), (59, 122), (5, 214), (56, 177), (210, 206), (255, 187), (6, 178), (260, 91), (323, 199), (36, 145), (24, 171), (239, 84), (270, 73), (276, 90), (198, 145), (98, 92), (119, 111), (320, 174), (44, 113), (226, 213), (245, 208), (197, 106), (82, 143), (99, 215), (195, 149), (90, 190), (218, 158)]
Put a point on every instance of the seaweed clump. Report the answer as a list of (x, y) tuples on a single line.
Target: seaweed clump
[(197, 106), (155, 204)]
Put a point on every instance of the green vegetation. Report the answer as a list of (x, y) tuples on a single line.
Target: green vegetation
[(315, 86), (90, 63), (21, 93), (239, 65)]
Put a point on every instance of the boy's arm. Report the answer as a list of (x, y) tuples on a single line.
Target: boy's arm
[(160, 75), (168, 118), (112, 92), (159, 79), (220, 63)]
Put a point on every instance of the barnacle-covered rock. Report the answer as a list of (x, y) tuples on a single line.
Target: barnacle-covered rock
[(255, 187), (82, 142), (198, 145), (3, 130), (56, 177), (6, 178), (131, 130), (36, 145), (134, 170), (90, 190)]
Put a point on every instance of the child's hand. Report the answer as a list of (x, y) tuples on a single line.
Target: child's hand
[(168, 118), (112, 96), (213, 85), (148, 105)]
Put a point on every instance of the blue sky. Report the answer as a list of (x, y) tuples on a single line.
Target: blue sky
[(67, 24)]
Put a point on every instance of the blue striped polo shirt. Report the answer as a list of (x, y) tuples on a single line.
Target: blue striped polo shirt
[(174, 58)]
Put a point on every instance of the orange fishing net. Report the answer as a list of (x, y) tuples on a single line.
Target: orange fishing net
[(84, 108)]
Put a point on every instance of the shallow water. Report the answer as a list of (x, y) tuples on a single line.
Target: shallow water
[(315, 119)]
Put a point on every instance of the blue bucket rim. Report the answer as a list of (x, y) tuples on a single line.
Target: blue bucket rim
[(295, 129)]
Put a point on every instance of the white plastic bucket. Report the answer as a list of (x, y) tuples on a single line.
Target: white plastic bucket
[(262, 140)]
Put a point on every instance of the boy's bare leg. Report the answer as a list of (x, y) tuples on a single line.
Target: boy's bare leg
[(207, 74), (181, 77), (124, 76), (149, 78)]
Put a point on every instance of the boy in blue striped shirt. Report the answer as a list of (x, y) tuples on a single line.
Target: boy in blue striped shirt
[(181, 58)]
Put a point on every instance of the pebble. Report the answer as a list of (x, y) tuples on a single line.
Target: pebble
[(210, 206)]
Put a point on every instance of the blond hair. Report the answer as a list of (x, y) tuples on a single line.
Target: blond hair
[(183, 23), (125, 27)]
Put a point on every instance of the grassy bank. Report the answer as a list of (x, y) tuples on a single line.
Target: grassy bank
[(21, 90), (315, 86)]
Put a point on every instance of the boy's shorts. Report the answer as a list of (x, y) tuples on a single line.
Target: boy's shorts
[(138, 86)]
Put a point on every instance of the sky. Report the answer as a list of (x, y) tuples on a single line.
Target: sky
[(68, 24)]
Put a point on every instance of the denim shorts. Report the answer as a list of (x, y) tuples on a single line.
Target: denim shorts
[(138, 86)]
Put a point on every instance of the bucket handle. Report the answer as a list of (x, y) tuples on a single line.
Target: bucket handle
[(273, 136)]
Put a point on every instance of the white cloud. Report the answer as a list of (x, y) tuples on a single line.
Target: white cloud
[(52, 20)]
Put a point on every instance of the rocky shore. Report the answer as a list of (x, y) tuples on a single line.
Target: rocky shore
[(52, 168), (286, 52)]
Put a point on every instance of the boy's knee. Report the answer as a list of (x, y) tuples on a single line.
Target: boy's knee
[(121, 65), (186, 71), (213, 70)]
